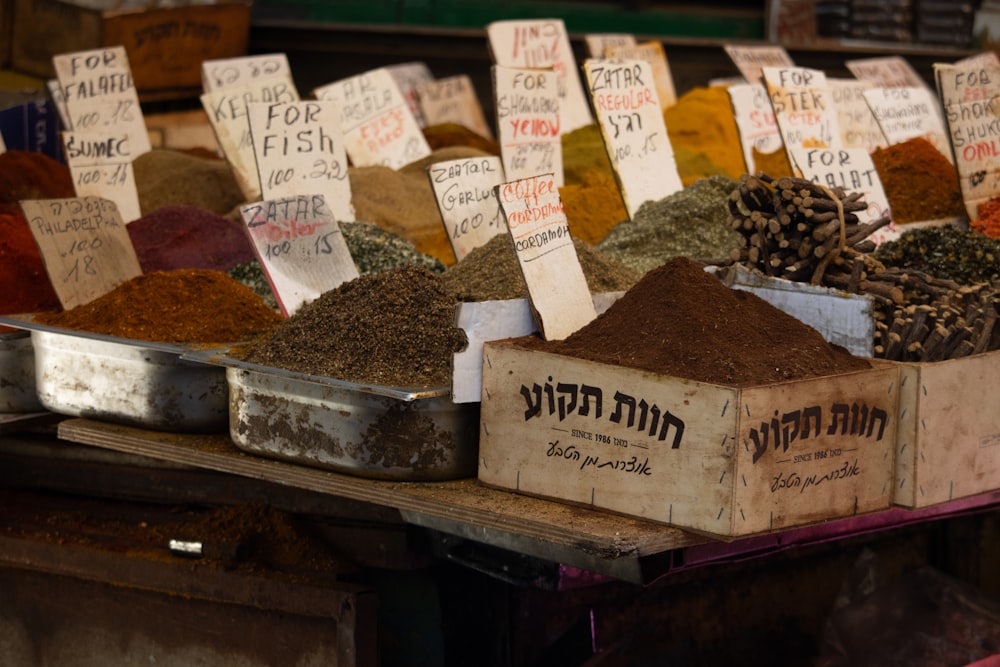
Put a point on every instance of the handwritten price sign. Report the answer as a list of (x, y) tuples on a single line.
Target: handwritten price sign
[(101, 166), (300, 247), (234, 72), (528, 122), (84, 244)]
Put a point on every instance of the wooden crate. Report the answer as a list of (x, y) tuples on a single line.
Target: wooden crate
[(720, 460), (948, 432), (165, 45)]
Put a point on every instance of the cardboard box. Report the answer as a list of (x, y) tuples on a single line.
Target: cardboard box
[(948, 430), (720, 460), (165, 45)]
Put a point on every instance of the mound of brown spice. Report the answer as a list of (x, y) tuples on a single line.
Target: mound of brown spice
[(393, 328), (683, 322), (182, 306)]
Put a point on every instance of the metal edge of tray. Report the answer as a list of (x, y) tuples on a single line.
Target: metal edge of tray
[(220, 357), (26, 321)]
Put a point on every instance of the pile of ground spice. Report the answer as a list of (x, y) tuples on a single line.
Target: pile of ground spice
[(775, 164), (491, 272), (593, 207), (32, 175), (690, 223), (181, 306), (987, 220), (944, 251), (391, 328), (165, 177), (919, 182), (447, 135), (583, 152), (187, 237), (27, 287), (703, 134), (683, 322)]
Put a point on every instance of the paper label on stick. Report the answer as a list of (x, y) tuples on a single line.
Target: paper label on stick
[(300, 246), (528, 122), (635, 135), (597, 43), (858, 125), (85, 246), (980, 59), (903, 113), (378, 126), (802, 107), (453, 100), (969, 96), (56, 93), (853, 170), (299, 150), (653, 53), (886, 72), (464, 193), (755, 121), (100, 95), (557, 287), (409, 77), (227, 114), (100, 164), (543, 44), (750, 60), (223, 73)]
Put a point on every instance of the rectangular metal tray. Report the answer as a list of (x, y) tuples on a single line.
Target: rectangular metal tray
[(378, 432), (139, 383), (18, 393)]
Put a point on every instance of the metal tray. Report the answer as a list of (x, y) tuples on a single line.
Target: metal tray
[(18, 393), (122, 380), (378, 432)]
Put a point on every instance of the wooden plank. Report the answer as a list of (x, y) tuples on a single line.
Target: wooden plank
[(602, 542)]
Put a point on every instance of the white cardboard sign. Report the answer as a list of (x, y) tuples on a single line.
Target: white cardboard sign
[(853, 170), (905, 112), (378, 126), (100, 164), (886, 72), (470, 211), (409, 77), (597, 43), (227, 114), (453, 100), (85, 246), (755, 121), (528, 122), (242, 71), (969, 96), (299, 150), (300, 247), (100, 95), (557, 287), (653, 53), (858, 126), (802, 107), (750, 60), (543, 44), (631, 121)]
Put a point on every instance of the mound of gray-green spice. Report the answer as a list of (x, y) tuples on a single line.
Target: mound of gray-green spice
[(372, 249), (391, 328), (491, 272), (690, 223), (945, 251)]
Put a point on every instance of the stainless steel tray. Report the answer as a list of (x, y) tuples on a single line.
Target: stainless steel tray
[(18, 393), (122, 380), (378, 432)]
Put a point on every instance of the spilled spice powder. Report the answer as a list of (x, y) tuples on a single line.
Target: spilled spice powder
[(683, 322), (391, 328), (180, 306)]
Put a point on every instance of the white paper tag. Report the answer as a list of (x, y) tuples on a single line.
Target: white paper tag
[(903, 113), (221, 73), (100, 164), (528, 122), (469, 209), (453, 100), (802, 107), (755, 121), (750, 60)]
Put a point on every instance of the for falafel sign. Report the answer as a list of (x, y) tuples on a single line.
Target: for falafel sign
[(300, 246), (631, 120), (557, 288)]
